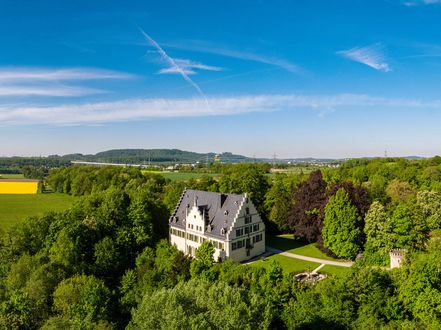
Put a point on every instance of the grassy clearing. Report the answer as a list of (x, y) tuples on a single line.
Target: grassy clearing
[(289, 244), (289, 265), (335, 270), (182, 176), (11, 176), (16, 208)]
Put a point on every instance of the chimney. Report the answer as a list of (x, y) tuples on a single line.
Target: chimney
[(223, 198)]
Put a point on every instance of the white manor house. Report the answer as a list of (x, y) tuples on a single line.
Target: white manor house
[(230, 222)]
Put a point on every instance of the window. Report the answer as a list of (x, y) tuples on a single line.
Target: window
[(258, 237), (247, 230), (256, 227), (248, 219), (247, 210), (240, 244), (239, 232), (233, 246)]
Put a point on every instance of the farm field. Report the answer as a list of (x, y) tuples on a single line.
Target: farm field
[(16, 208), (11, 176), (182, 176), (289, 265)]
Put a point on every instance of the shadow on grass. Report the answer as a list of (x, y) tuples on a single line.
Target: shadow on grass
[(284, 243)]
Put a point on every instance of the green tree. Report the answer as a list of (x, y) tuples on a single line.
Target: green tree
[(378, 231), (429, 203), (201, 265), (83, 300), (341, 228)]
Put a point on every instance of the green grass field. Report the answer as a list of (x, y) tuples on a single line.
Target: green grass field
[(289, 265), (289, 244), (334, 270), (182, 176), (16, 208), (11, 176)]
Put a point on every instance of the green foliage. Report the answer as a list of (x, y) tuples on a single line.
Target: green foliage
[(341, 232), (197, 305), (378, 233), (278, 200), (201, 265), (407, 227), (246, 178), (82, 300)]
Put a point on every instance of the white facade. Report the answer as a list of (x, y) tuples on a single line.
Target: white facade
[(241, 236)]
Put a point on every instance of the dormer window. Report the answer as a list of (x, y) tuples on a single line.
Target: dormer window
[(226, 212), (222, 231)]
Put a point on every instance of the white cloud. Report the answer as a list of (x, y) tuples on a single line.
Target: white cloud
[(212, 48), (421, 2), (188, 67), (371, 56), (138, 109), (21, 81), (172, 62), (68, 74), (47, 91)]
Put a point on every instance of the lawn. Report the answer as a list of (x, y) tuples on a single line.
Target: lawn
[(289, 244), (16, 208), (334, 270), (289, 265), (11, 176), (182, 176)]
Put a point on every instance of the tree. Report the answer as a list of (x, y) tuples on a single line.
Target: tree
[(201, 265), (309, 197), (278, 201), (246, 178), (82, 299), (378, 232), (429, 203), (341, 227), (407, 229), (197, 304), (399, 191)]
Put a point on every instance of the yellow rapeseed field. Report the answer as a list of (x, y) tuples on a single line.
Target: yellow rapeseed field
[(18, 187)]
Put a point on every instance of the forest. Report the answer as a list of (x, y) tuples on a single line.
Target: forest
[(105, 263)]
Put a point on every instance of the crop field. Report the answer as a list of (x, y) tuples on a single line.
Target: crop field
[(18, 186), (16, 208), (182, 176)]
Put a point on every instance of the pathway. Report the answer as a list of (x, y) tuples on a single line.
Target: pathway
[(317, 260)]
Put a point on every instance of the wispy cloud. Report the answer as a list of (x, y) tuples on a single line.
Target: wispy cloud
[(212, 48), (173, 64), (189, 67), (69, 74), (138, 109), (421, 2), (47, 91), (371, 56), (31, 81)]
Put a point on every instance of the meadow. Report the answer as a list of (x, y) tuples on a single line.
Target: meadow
[(11, 176), (16, 208)]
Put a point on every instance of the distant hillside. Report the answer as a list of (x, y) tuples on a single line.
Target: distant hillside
[(145, 156)]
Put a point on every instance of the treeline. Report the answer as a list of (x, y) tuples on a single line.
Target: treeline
[(104, 264), (140, 156), (15, 165)]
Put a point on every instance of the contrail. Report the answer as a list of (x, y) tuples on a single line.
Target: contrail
[(173, 63)]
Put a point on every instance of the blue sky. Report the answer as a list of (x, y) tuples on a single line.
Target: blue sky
[(294, 78)]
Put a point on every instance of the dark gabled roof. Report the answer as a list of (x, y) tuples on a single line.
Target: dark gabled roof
[(219, 210)]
